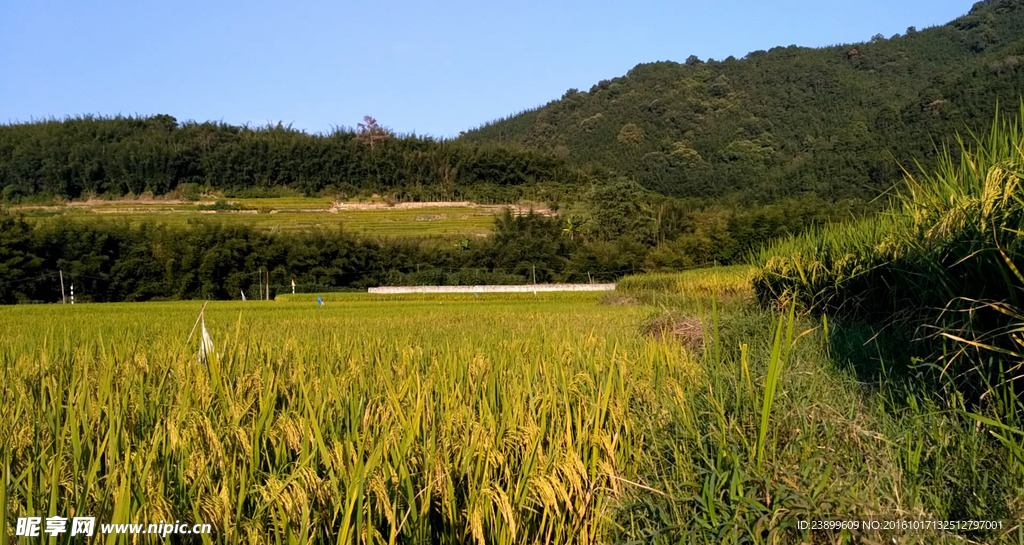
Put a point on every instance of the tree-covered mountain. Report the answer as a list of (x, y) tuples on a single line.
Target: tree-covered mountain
[(835, 121)]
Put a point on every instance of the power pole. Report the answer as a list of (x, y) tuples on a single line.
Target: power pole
[(63, 298), (268, 284)]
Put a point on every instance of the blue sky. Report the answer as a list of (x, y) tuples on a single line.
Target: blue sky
[(433, 68)]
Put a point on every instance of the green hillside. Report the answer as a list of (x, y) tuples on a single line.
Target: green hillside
[(835, 121)]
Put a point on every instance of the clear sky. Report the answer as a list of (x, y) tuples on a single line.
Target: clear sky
[(432, 68)]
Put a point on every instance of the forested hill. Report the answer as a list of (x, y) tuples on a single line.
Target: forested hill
[(118, 156), (835, 121)]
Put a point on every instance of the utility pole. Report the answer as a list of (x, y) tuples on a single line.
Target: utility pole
[(63, 298), (268, 284)]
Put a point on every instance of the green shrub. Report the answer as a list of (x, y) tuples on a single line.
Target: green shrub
[(221, 205)]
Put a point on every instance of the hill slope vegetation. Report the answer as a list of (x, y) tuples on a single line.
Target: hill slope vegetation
[(835, 121), (119, 156)]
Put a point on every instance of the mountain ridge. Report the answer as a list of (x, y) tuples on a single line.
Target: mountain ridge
[(833, 121)]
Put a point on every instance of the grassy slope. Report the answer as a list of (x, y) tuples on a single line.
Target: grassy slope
[(842, 437)]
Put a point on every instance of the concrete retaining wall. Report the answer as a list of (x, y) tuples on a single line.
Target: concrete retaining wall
[(522, 288)]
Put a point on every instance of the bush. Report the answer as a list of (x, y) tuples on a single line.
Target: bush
[(221, 205)]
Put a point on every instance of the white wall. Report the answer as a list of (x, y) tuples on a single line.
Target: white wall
[(520, 288)]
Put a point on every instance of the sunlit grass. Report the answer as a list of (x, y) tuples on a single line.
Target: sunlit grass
[(715, 281)]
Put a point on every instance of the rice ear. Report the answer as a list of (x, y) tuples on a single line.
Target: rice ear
[(206, 343)]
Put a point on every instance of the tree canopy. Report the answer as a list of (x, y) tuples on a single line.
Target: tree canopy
[(118, 156)]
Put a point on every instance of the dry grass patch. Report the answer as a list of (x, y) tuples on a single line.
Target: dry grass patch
[(687, 330)]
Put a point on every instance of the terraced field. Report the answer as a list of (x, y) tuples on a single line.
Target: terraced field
[(290, 213)]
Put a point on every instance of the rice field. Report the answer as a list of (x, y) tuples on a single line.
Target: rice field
[(287, 214), (491, 419), (503, 418)]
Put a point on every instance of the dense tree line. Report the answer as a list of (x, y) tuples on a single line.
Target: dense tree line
[(835, 121), (158, 155), (123, 262)]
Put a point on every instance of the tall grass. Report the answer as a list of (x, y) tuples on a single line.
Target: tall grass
[(718, 282), (834, 269), (774, 432), (942, 265)]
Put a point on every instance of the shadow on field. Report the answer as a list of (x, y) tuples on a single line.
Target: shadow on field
[(873, 353)]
